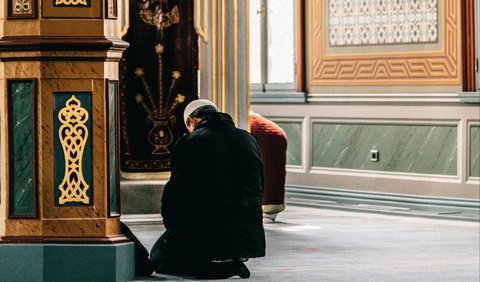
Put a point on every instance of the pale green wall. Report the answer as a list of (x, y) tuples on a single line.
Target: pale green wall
[(475, 151), (402, 148), (294, 138)]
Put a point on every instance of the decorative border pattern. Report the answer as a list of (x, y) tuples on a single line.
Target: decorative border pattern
[(22, 9), (410, 68), (11, 204)]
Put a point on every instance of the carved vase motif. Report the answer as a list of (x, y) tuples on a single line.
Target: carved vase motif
[(161, 136)]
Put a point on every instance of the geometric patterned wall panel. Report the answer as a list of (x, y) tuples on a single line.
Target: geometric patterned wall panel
[(364, 22), (355, 68)]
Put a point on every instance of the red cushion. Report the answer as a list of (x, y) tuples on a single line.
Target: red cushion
[(273, 146)]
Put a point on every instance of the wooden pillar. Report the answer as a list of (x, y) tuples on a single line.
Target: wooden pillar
[(468, 46), (58, 128), (222, 26)]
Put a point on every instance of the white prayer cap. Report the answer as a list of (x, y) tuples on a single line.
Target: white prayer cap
[(195, 104)]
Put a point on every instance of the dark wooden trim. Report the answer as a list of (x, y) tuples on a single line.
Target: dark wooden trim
[(34, 151), (107, 136), (117, 147), (69, 58), (117, 144), (468, 45), (300, 45), (64, 240), (32, 15), (61, 43)]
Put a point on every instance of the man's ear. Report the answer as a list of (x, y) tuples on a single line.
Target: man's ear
[(191, 123)]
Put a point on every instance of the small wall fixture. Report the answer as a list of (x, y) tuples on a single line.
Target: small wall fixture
[(374, 155)]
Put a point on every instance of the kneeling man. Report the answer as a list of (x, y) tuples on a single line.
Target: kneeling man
[(211, 206)]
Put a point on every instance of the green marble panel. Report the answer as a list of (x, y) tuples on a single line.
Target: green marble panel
[(21, 148), (112, 155), (422, 149), (475, 151), (294, 138), (60, 100)]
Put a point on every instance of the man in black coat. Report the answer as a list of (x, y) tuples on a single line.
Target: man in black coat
[(211, 206)]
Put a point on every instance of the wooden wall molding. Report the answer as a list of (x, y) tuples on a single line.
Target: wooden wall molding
[(61, 48), (116, 239), (389, 69), (468, 29), (61, 43), (300, 44)]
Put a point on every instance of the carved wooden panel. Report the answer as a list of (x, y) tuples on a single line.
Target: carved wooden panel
[(436, 67), (80, 9), (78, 3), (22, 9)]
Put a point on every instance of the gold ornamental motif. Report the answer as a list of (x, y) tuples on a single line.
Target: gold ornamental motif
[(161, 20), (159, 110), (73, 134), (161, 116), (71, 2), (159, 48)]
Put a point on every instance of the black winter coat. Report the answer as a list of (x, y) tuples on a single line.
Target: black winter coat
[(212, 203)]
